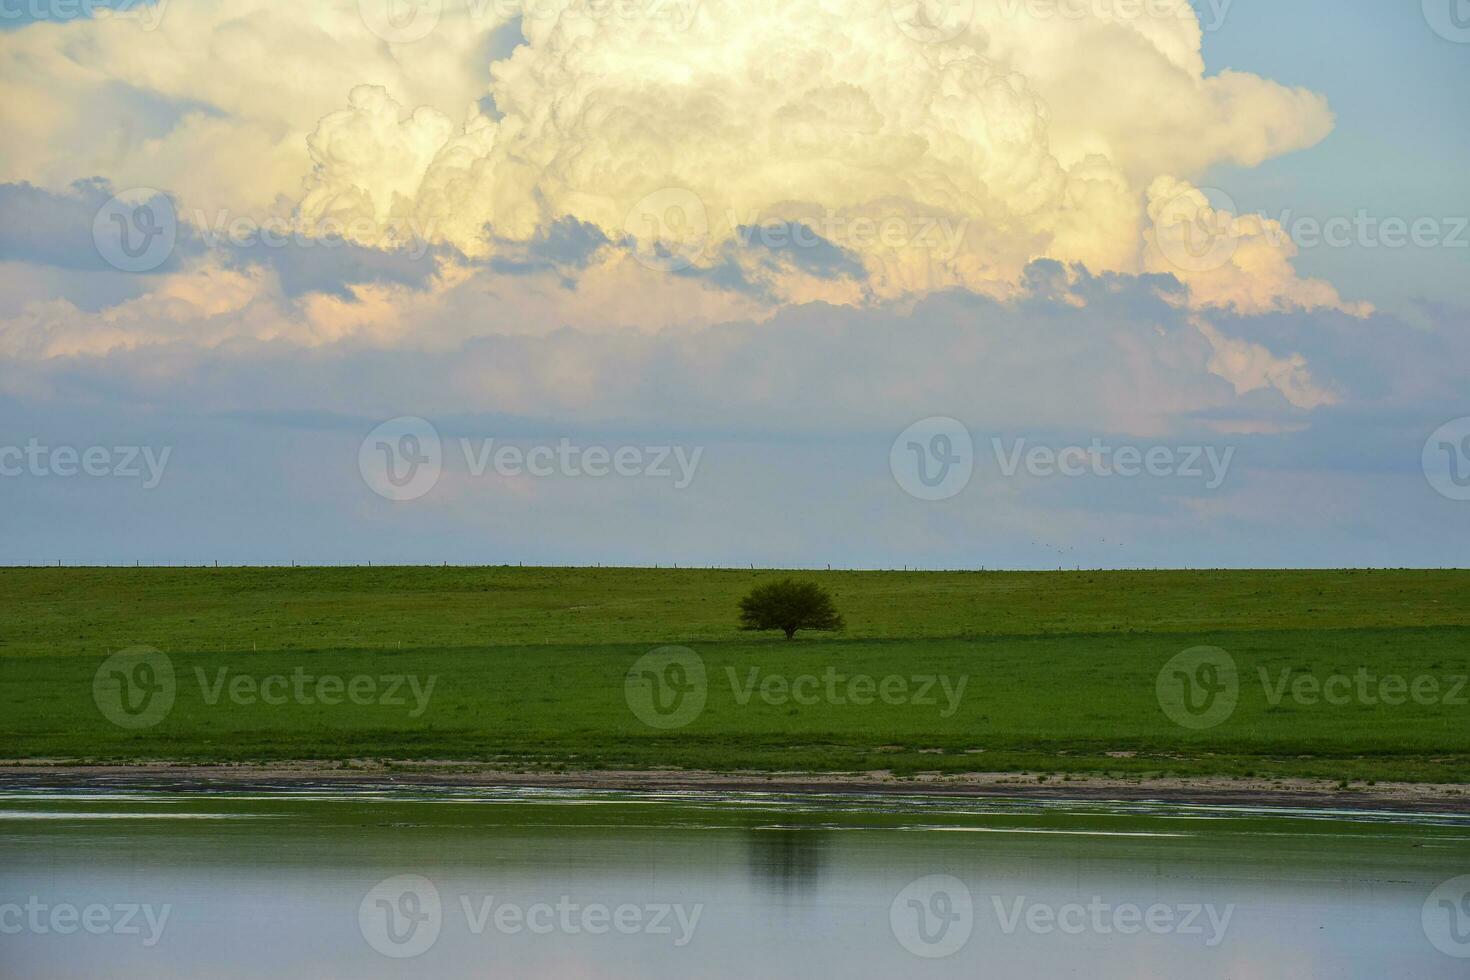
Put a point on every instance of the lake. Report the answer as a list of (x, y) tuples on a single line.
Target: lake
[(568, 884)]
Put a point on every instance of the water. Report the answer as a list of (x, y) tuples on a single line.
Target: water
[(573, 884)]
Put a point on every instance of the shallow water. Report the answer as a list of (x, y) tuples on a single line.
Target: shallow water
[(488, 883)]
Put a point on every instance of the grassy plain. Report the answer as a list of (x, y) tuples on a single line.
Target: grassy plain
[(529, 668)]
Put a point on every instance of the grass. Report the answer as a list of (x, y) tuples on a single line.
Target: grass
[(529, 668)]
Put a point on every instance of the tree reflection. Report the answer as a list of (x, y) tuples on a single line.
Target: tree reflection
[(787, 860)]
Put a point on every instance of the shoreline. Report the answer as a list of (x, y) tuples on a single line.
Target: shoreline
[(1435, 798)]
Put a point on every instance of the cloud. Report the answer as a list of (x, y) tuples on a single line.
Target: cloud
[(215, 102), (754, 115), (37, 225), (796, 411), (567, 246), (307, 264), (792, 229), (1251, 367), (500, 122), (1239, 261), (208, 266), (776, 263), (1112, 353)]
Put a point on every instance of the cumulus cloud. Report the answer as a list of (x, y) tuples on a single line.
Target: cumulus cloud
[(949, 155), (215, 102), (785, 230), (630, 168), (1112, 353), (1250, 367), (832, 114), (1240, 261)]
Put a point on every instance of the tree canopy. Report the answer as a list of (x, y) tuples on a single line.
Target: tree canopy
[(788, 605)]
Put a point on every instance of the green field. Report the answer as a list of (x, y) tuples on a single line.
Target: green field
[(530, 668)]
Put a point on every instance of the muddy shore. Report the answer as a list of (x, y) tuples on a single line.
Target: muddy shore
[(1286, 793)]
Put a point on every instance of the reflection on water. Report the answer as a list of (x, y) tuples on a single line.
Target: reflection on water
[(560, 884), (785, 860)]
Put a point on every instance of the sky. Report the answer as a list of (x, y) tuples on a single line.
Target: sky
[(867, 283)]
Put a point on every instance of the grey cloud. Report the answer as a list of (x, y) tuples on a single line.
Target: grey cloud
[(38, 225), (796, 416)]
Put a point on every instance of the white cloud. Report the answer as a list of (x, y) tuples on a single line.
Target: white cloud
[(765, 112), (1242, 261), (1250, 367), (217, 100)]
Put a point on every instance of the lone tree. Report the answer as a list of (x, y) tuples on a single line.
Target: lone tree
[(788, 606)]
